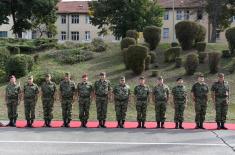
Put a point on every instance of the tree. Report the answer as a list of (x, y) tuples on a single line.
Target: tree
[(122, 15), (24, 11)]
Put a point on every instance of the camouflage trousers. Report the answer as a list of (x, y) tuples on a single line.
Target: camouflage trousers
[(12, 105), (29, 106), (66, 105), (221, 108), (84, 107), (200, 110), (48, 104), (101, 107), (160, 109), (141, 108), (179, 111), (121, 109)]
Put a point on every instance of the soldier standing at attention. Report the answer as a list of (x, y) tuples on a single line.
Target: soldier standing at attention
[(180, 100), (121, 98), (12, 99), (141, 93), (31, 92), (67, 95), (85, 95), (102, 90), (220, 97), (48, 89), (160, 96), (200, 97)]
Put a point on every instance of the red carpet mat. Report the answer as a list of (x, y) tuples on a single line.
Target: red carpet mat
[(129, 125)]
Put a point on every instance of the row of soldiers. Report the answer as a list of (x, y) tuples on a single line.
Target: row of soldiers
[(102, 93)]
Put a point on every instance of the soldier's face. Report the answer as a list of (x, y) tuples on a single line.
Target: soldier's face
[(221, 79), (102, 77), (30, 81), (85, 78), (142, 81), (48, 78), (160, 81), (201, 79), (13, 80), (122, 82), (180, 82), (66, 77)]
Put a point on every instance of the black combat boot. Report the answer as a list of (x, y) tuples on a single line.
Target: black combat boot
[(31, 123), (45, 123), (119, 124), (162, 125), (84, 124), (201, 125), (143, 125), (28, 124), (218, 126), (122, 123), (49, 123), (103, 124), (10, 123), (197, 126), (100, 124), (14, 123), (176, 125), (139, 124), (223, 127), (158, 125), (68, 123), (64, 123), (181, 125)]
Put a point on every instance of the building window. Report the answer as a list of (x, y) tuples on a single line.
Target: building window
[(186, 14), (166, 15), (63, 19), (87, 35), (87, 20), (75, 35), (165, 33), (217, 34), (3, 34), (75, 19), (63, 35), (179, 14)]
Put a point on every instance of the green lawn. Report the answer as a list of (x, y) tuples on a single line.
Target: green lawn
[(111, 62)]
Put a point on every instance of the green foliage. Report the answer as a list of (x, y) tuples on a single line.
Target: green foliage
[(153, 56), (124, 51), (191, 63), (3, 76), (174, 44), (124, 15), (226, 54), (178, 62), (155, 73), (172, 53), (201, 34), (202, 57), (19, 65), (147, 62), (98, 45), (152, 35), (13, 49), (230, 36), (201, 46), (214, 60), (57, 76), (26, 49), (126, 42), (4, 55), (232, 66), (132, 34), (136, 56)]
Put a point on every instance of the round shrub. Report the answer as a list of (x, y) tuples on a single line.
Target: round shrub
[(136, 56), (186, 33), (172, 53), (155, 73), (174, 44), (13, 49), (191, 63), (201, 46), (26, 49), (124, 51), (214, 61), (4, 55), (98, 45), (153, 56), (178, 62), (226, 54), (152, 35), (230, 36), (202, 57), (132, 34), (19, 65), (232, 67), (201, 34), (147, 62), (57, 76), (126, 42)]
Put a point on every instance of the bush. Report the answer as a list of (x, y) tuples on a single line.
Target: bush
[(19, 65), (57, 76), (35, 58), (202, 57), (152, 35), (124, 51), (186, 33), (155, 73), (98, 45), (191, 63), (3, 77), (201, 34), (126, 42), (230, 36), (214, 60), (4, 55), (26, 49), (232, 67), (13, 49), (174, 44), (136, 56), (153, 56), (201, 46), (147, 62), (178, 62), (132, 34), (172, 53), (226, 54), (43, 41)]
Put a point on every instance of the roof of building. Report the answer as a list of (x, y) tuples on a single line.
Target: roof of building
[(168, 4)]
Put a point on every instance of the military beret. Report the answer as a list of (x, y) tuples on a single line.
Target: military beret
[(141, 77), (220, 75), (122, 78), (102, 73), (180, 78), (84, 75), (30, 77)]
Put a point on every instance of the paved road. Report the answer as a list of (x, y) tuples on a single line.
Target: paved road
[(45, 141)]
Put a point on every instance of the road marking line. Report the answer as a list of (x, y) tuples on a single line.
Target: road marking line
[(116, 143)]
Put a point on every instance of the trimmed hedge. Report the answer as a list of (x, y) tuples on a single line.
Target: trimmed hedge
[(172, 53), (4, 56), (126, 42), (201, 34), (98, 45), (13, 49), (132, 34), (226, 54), (191, 63), (153, 56), (174, 44), (201, 46), (230, 36), (214, 61), (124, 51), (147, 62), (202, 57), (57, 76), (152, 35), (178, 62)]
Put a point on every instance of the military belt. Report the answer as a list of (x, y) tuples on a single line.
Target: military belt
[(84, 96), (101, 95), (121, 100), (141, 99), (12, 97)]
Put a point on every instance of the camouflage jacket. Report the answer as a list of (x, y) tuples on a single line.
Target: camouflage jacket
[(84, 89), (220, 89), (48, 89), (121, 92), (12, 91), (31, 91), (102, 88), (200, 90), (67, 89), (141, 92), (161, 92), (179, 92)]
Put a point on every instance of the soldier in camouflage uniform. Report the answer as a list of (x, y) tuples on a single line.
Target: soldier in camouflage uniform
[(67, 95), (85, 94), (48, 89), (160, 96), (12, 99), (220, 97), (121, 97), (102, 90), (180, 100), (141, 93), (31, 92), (200, 97)]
